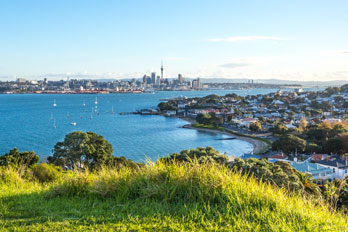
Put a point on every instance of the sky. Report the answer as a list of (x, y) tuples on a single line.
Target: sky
[(290, 40)]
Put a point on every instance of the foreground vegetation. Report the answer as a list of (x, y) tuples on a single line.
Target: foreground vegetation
[(156, 197), (83, 187)]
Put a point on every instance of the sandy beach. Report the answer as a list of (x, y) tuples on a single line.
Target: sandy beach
[(257, 144)]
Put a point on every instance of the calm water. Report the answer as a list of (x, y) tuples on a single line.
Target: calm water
[(25, 123)]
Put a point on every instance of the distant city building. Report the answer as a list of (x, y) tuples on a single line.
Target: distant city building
[(180, 78), (21, 80), (148, 80), (199, 82), (153, 77)]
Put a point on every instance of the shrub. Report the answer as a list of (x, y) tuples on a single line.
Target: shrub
[(201, 154), (45, 172)]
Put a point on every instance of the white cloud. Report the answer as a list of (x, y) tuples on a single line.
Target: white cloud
[(342, 52), (175, 58), (245, 38), (234, 65), (333, 52)]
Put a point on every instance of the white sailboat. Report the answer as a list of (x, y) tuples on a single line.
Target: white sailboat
[(54, 103), (51, 116), (96, 101), (83, 104), (54, 124), (73, 123), (112, 110), (92, 113)]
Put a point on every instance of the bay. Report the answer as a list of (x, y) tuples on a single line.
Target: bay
[(26, 123)]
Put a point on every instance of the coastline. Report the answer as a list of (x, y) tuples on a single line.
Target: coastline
[(258, 145)]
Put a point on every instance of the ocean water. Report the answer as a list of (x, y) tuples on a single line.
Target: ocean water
[(26, 123)]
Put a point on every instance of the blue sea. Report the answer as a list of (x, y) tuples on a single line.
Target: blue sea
[(27, 122)]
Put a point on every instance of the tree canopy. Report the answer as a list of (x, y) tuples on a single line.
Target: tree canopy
[(289, 144), (16, 159), (82, 150), (201, 154)]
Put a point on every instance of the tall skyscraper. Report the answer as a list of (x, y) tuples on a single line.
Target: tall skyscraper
[(162, 71), (199, 83), (158, 81), (180, 78), (153, 77)]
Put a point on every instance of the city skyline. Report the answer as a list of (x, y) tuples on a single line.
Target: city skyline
[(225, 39)]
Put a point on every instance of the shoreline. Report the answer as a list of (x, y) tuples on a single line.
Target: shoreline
[(258, 145)]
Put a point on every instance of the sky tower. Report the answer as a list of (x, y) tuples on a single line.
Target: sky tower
[(161, 70)]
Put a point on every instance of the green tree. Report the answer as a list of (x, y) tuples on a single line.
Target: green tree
[(279, 128), (289, 144), (201, 154), (170, 105), (313, 148), (280, 173), (82, 150), (256, 126), (334, 145), (18, 159)]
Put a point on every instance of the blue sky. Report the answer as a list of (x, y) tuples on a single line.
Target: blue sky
[(296, 40)]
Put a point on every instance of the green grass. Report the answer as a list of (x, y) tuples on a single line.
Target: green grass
[(210, 127), (158, 197)]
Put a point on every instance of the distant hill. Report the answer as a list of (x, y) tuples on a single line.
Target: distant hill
[(278, 81)]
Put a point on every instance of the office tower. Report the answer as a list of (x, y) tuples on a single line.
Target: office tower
[(199, 83), (153, 77), (180, 78)]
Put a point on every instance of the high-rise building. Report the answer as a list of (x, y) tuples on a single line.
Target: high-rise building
[(144, 78), (158, 81), (153, 77), (162, 71), (180, 78), (148, 80), (199, 83)]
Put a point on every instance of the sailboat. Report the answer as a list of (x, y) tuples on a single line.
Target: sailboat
[(51, 116), (112, 110), (54, 103), (83, 104), (92, 113), (96, 101), (54, 124)]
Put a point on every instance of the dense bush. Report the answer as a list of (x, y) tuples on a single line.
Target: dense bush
[(209, 119), (45, 172), (280, 174), (289, 144), (200, 154), (18, 159)]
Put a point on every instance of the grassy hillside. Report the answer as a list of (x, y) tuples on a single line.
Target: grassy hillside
[(157, 197)]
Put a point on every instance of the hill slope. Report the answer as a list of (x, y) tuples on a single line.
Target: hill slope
[(157, 197)]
